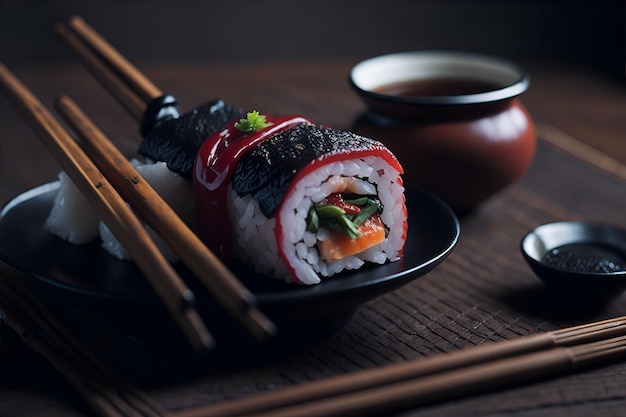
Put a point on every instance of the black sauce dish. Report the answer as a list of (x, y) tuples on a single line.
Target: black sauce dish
[(578, 259)]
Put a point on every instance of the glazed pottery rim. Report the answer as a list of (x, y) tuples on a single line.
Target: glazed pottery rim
[(375, 72)]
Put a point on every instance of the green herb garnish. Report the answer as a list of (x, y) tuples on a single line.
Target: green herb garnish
[(252, 122), (335, 218)]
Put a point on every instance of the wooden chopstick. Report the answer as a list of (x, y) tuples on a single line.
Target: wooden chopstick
[(434, 378), (110, 58), (107, 393), (456, 383), (125, 95), (113, 210), (226, 288)]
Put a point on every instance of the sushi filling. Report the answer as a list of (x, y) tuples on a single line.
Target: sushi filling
[(353, 221), (342, 214)]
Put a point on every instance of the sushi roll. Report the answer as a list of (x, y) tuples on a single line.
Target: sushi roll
[(296, 200), (300, 202)]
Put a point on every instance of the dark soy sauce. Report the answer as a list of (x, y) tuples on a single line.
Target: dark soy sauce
[(585, 258), (436, 87)]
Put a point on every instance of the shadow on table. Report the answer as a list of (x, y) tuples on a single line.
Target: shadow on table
[(551, 304)]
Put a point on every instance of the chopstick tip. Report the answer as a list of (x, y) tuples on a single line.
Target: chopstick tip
[(265, 328), (75, 19)]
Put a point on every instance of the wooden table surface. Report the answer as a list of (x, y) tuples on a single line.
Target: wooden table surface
[(483, 292)]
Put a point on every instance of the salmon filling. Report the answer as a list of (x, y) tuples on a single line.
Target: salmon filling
[(340, 245)]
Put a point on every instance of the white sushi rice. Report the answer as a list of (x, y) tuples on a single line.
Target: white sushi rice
[(73, 219), (255, 239)]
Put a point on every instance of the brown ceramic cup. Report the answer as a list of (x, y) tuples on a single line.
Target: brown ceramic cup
[(453, 119)]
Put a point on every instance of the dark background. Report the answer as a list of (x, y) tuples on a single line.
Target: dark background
[(590, 33)]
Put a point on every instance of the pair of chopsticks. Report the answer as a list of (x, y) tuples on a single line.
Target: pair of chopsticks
[(381, 391), (105, 392), (127, 83), (108, 180)]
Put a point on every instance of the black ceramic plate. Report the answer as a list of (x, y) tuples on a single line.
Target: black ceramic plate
[(89, 271), (90, 278)]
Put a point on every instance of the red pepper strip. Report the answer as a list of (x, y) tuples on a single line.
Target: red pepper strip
[(336, 199)]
